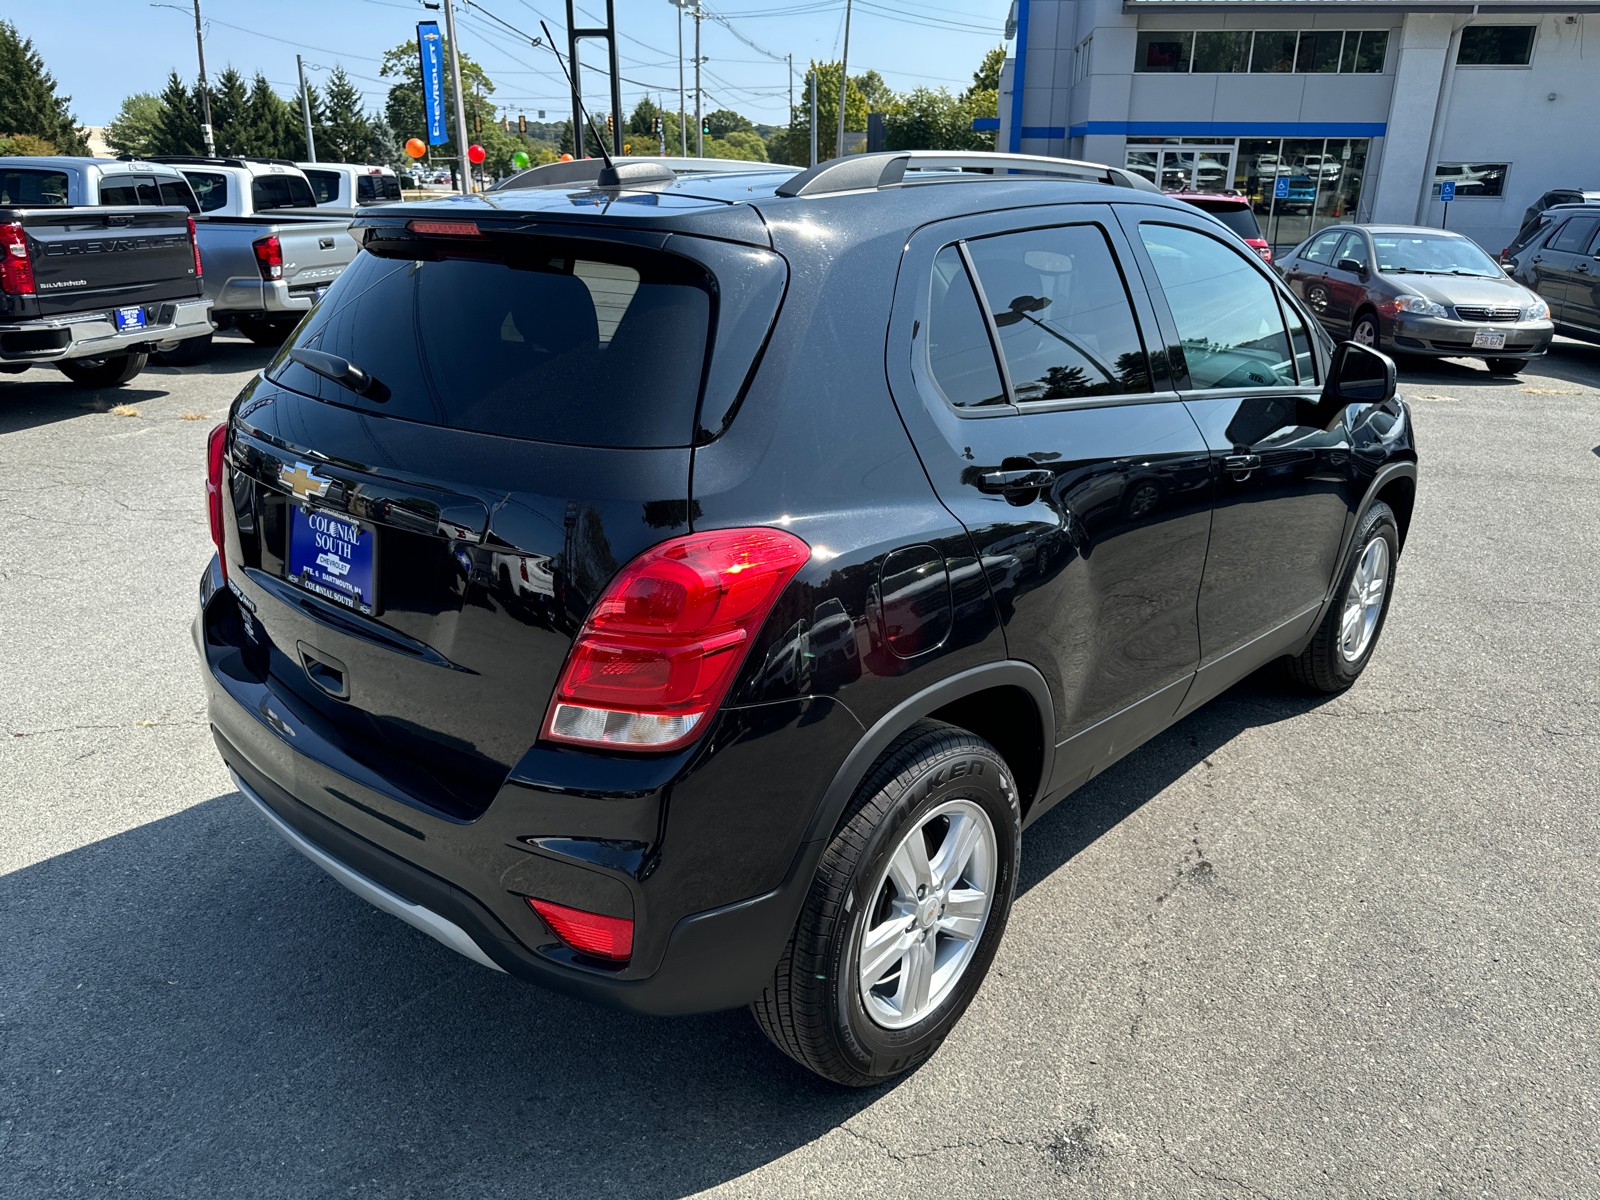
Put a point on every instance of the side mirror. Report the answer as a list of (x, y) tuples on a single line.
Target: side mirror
[(1351, 265), (1361, 375)]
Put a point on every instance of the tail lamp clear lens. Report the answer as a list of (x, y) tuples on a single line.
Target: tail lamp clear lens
[(587, 932), (664, 642), (216, 450), (16, 268), (269, 256)]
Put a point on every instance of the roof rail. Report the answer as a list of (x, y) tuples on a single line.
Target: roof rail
[(865, 172), (232, 160), (587, 170)]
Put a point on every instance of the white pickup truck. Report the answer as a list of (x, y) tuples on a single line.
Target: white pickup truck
[(351, 185), (268, 253)]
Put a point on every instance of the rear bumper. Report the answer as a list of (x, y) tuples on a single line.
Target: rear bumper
[(466, 884), (95, 335), (247, 296)]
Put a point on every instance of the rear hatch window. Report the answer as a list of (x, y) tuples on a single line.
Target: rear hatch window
[(518, 335), (28, 189)]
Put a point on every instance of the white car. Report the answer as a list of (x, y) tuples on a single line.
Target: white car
[(350, 185)]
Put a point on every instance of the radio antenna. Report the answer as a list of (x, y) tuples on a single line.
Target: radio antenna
[(578, 141)]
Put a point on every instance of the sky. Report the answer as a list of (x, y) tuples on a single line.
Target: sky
[(101, 51)]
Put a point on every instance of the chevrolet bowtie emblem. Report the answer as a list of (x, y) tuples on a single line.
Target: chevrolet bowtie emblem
[(303, 481)]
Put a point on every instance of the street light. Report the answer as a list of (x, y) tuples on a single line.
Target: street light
[(683, 117)]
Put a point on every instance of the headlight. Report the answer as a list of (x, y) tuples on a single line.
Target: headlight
[(1419, 306), (1536, 312)]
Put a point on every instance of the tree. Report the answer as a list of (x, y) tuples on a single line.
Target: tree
[(933, 119), (177, 129), (725, 121), (987, 77), (382, 147), (746, 144), (28, 100), (134, 129), (347, 130), (270, 127), (642, 121), (879, 95), (25, 145), (229, 105), (793, 146), (403, 106)]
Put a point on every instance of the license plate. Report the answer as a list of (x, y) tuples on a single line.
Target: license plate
[(1488, 341), (130, 318), (334, 557)]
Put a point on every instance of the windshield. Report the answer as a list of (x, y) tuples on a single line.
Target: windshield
[(543, 340), (1432, 253)]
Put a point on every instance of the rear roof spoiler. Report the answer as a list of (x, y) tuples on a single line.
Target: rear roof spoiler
[(865, 172)]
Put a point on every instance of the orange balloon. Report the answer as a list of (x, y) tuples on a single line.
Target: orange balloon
[(415, 147), (566, 158)]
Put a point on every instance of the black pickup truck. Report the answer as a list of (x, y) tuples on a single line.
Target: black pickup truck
[(93, 291)]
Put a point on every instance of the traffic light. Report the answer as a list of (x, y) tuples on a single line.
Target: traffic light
[(705, 126), (611, 126), (477, 122), (522, 123)]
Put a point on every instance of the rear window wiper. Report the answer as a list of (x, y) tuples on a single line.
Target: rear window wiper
[(343, 372)]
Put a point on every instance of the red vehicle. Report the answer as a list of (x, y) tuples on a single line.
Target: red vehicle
[(1233, 210)]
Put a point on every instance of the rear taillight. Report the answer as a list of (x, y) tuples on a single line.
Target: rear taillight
[(269, 256), (194, 244), (216, 450), (662, 646), (587, 932), (16, 268), (1265, 252)]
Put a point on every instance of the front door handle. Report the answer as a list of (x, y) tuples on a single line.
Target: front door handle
[(1241, 464), (1014, 481)]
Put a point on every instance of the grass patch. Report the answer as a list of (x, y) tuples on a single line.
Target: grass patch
[(193, 417), (124, 410)]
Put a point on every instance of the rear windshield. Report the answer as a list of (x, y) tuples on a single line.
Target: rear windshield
[(1237, 218), (24, 187), (210, 188), (546, 341), (374, 189), (324, 186), (280, 191)]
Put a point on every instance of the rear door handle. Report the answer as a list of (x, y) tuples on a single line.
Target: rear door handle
[(1015, 481)]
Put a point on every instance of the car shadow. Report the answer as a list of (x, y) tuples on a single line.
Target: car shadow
[(191, 1003), (35, 398), (1567, 360)]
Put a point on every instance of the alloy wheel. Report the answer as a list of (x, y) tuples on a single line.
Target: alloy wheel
[(927, 913), (1363, 601), (1365, 332)]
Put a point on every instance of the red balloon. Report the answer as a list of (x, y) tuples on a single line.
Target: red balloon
[(415, 147), (476, 154)]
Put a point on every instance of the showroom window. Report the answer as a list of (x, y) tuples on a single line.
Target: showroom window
[(1496, 46), (1472, 180), (1229, 52)]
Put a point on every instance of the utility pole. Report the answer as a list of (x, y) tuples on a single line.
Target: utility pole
[(205, 88), (790, 58), (813, 115), (844, 78), (683, 108), (699, 126), (305, 110), (463, 171)]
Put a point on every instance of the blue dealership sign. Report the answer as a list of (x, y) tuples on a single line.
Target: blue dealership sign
[(1280, 187), (1447, 190), (431, 46)]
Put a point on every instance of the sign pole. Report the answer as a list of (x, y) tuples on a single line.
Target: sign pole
[(1447, 193), (305, 110)]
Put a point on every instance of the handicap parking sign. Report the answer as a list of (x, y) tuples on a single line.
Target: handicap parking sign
[(1280, 187), (1447, 190)]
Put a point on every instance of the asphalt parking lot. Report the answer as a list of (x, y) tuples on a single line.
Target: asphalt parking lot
[(1294, 947)]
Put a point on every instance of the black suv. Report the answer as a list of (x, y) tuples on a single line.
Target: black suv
[(1558, 256), (682, 589)]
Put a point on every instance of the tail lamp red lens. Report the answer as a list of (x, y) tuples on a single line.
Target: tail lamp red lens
[(664, 642), (587, 932), (446, 228), (216, 451), (16, 268), (194, 244), (1265, 252), (269, 256)]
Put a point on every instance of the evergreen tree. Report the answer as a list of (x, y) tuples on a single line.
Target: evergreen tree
[(230, 113), (269, 131), (295, 139), (642, 122), (134, 130), (28, 100), (348, 134), (382, 147), (177, 130)]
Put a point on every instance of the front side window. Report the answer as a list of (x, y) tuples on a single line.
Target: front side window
[(1354, 248), (1496, 46), (210, 189), (324, 186), (1065, 321), (1472, 179), (960, 357), (31, 187), (1226, 311)]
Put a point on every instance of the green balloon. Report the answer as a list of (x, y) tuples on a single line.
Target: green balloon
[(519, 160)]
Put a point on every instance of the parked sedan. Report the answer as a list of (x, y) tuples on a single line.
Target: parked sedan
[(1411, 290)]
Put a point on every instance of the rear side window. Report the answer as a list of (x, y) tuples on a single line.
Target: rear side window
[(45, 189), (543, 341), (1065, 322), (210, 189), (1574, 236), (960, 357), (1321, 248), (324, 186), (176, 192), (280, 191), (1226, 311)]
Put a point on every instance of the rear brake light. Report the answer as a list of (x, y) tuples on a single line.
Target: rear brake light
[(665, 640), (591, 933), (446, 228), (269, 256), (16, 268), (1265, 252), (194, 244), (216, 450)]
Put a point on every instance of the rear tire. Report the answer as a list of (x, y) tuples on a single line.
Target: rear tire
[(931, 943), (1505, 366), (1343, 644), (266, 333), (186, 353), (102, 372)]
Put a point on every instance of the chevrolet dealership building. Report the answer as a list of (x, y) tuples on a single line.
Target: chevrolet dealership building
[(1323, 111)]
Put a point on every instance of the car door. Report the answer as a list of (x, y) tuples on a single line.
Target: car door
[(1346, 287), (1557, 262), (1582, 306), (1031, 377), (1308, 278), (1247, 368)]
